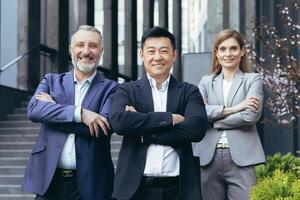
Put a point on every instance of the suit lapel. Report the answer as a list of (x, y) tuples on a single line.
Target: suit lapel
[(69, 87), (217, 86), (145, 97), (92, 91), (236, 83), (173, 95)]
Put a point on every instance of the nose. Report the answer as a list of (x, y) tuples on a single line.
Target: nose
[(86, 50), (227, 52), (157, 56)]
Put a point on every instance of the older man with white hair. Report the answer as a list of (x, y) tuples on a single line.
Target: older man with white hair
[(71, 158)]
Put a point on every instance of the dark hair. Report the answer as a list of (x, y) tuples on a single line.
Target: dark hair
[(156, 32)]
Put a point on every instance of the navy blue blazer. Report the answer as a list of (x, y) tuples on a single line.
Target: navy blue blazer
[(95, 170), (157, 128)]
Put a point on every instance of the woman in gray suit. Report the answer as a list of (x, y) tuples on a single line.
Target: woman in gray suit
[(234, 99)]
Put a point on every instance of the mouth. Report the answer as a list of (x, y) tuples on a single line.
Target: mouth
[(86, 59), (158, 65), (228, 60)]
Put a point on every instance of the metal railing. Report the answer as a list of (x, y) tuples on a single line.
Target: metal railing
[(44, 51)]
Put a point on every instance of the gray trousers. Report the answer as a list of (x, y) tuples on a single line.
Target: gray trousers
[(222, 179)]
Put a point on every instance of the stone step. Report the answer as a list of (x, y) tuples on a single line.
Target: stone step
[(20, 110), (10, 189), (19, 130), (20, 123), (13, 161), (18, 137), (15, 153), (17, 196), (11, 179), (16, 170), (16, 145), (17, 117), (14, 192)]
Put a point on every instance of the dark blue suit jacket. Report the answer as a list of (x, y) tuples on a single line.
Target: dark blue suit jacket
[(93, 159), (157, 128)]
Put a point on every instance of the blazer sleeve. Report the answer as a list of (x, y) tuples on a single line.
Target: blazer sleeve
[(248, 116), (83, 130), (134, 123), (48, 112), (57, 115), (192, 129), (214, 112)]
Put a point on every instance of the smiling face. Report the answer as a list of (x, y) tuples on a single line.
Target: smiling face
[(229, 54), (158, 56), (86, 51)]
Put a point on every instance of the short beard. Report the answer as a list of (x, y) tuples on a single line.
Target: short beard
[(85, 68)]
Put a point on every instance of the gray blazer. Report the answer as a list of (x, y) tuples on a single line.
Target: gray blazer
[(244, 142)]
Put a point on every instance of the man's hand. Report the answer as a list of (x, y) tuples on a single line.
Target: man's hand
[(130, 109), (93, 121), (177, 118), (44, 97)]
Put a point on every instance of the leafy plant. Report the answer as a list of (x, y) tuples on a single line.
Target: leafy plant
[(286, 163), (280, 186)]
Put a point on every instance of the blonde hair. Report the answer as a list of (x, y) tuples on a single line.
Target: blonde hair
[(215, 67)]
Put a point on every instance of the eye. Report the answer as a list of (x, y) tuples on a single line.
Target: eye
[(79, 45), (150, 52), (234, 48), (221, 49), (93, 45)]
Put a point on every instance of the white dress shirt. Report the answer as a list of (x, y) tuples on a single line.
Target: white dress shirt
[(67, 158), (161, 160), (226, 87)]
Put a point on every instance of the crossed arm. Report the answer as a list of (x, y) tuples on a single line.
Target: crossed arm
[(164, 128), (91, 119), (47, 109), (244, 113)]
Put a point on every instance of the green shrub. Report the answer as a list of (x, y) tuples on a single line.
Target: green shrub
[(286, 163), (279, 186)]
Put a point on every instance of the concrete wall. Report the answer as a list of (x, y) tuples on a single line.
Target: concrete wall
[(8, 41)]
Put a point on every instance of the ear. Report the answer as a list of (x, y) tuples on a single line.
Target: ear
[(101, 51), (243, 51), (142, 55), (70, 50), (175, 52)]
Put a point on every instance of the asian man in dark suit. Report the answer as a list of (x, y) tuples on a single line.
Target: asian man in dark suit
[(159, 117), (71, 158)]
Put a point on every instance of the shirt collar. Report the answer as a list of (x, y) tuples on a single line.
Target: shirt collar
[(89, 80), (164, 85)]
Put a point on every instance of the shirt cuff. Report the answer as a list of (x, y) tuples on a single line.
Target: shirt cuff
[(77, 114)]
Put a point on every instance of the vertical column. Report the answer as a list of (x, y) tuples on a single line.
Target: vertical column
[(177, 26), (163, 13), (226, 14), (90, 12), (63, 36), (110, 37), (130, 41), (234, 14), (249, 19), (148, 14), (23, 43), (215, 21), (34, 29)]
